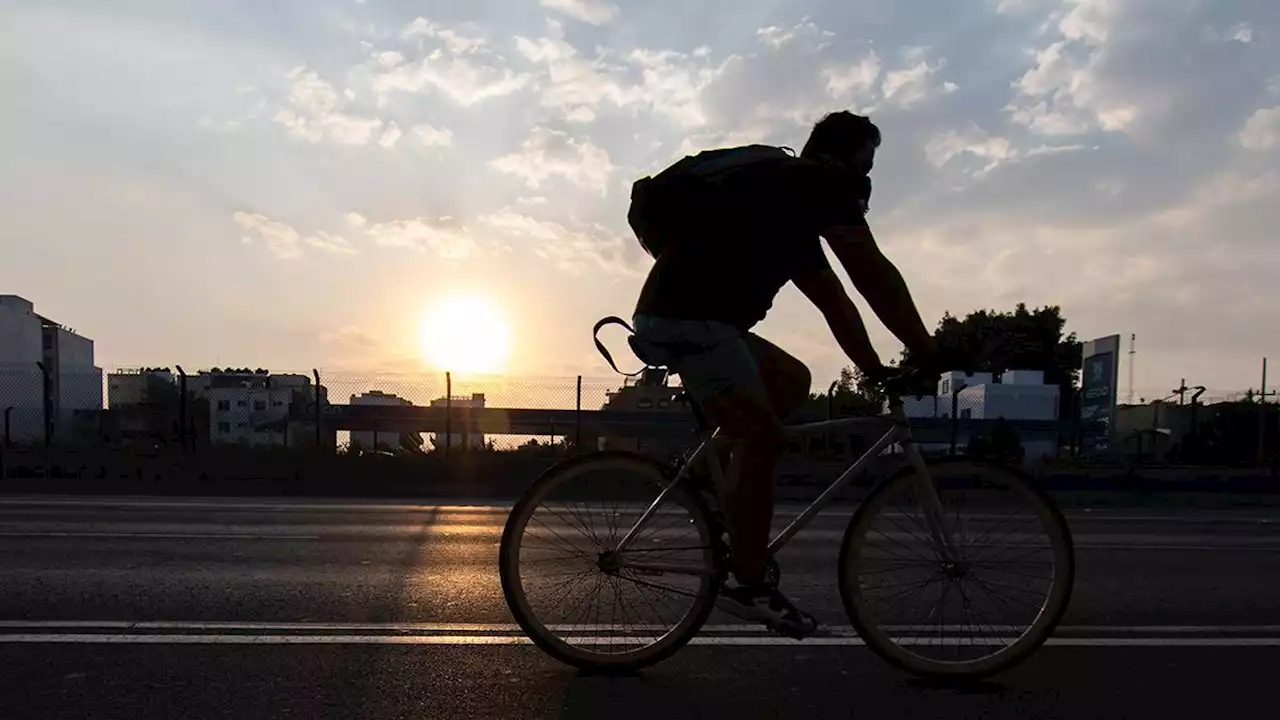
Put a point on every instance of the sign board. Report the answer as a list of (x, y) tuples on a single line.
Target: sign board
[(1098, 380)]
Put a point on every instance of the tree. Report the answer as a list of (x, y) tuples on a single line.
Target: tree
[(1019, 340), (850, 396)]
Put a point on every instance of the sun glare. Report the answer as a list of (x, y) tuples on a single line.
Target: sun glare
[(466, 334)]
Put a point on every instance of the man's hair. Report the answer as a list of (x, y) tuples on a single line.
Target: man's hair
[(840, 135)]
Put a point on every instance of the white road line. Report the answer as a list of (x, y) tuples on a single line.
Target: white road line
[(762, 641), (154, 536), (486, 506), (1231, 543), (480, 628)]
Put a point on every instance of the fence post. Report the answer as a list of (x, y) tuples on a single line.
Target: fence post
[(448, 411), (826, 434), (955, 416), (1262, 416), (47, 414), (577, 419), (182, 408), (315, 373), (4, 449)]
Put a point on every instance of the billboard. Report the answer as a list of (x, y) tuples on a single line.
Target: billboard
[(1099, 377)]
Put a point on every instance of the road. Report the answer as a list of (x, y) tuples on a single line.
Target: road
[(142, 607)]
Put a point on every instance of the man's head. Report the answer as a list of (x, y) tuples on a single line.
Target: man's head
[(848, 139)]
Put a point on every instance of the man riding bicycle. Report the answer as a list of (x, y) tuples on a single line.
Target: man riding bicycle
[(729, 228)]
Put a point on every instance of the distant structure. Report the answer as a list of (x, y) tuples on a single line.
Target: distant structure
[(127, 387), (251, 406), (469, 437), (225, 406), (1016, 395), (372, 439), (74, 382), (649, 393)]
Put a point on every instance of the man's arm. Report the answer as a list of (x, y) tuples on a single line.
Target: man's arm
[(882, 285), (824, 290)]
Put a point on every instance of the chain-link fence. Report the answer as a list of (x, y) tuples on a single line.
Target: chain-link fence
[(249, 422)]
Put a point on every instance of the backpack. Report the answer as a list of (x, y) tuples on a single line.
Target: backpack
[(660, 204)]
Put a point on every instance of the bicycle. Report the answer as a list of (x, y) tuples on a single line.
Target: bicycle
[(649, 562)]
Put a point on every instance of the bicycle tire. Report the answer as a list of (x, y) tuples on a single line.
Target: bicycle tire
[(512, 585), (1029, 641)]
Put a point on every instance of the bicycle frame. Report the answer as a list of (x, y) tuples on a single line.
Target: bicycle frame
[(897, 432)]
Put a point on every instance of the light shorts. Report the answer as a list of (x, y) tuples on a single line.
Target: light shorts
[(710, 357)]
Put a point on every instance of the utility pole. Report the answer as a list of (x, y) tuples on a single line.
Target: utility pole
[(1181, 390), (1262, 415), (1133, 351)]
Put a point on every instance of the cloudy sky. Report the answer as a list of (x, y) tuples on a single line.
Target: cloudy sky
[(295, 183)]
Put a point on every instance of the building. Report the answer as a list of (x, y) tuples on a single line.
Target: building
[(372, 439), (69, 382), (251, 407), (144, 407), (467, 436), (132, 386), (1015, 395), (648, 393)]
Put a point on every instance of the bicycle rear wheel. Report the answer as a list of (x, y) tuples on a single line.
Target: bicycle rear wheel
[(588, 607), (982, 614)]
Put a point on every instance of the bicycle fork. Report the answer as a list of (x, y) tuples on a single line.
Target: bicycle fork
[(934, 514)]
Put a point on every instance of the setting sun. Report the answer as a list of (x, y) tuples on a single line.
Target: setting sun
[(466, 334)]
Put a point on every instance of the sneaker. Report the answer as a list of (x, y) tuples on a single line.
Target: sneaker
[(765, 603)]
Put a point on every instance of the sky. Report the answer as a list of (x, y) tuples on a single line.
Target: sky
[(297, 183)]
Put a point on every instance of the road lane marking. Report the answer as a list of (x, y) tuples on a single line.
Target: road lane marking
[(1100, 541), (490, 628), (153, 536), (491, 507), (760, 641)]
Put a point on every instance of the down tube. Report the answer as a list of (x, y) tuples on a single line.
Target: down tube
[(684, 472), (836, 486)]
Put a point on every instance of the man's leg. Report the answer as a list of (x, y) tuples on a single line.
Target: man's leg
[(753, 426), (786, 382), (726, 380), (786, 379)]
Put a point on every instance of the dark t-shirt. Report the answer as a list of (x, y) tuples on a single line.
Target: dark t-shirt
[(735, 254)]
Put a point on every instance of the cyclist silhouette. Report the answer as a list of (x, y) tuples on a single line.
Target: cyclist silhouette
[(729, 228)]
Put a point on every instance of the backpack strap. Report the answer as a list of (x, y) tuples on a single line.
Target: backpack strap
[(595, 335)]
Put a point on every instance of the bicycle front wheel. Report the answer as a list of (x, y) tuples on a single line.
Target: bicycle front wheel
[(977, 613), (588, 606)]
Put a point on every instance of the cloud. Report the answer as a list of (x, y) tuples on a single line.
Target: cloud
[(444, 236), (664, 82), (462, 81), (810, 36), (1122, 67), (331, 243), (390, 136), (847, 83), (431, 136), (282, 240), (912, 83), (313, 112), (585, 250), (1262, 130), (350, 336), (942, 149), (547, 153), (595, 12), (460, 67)]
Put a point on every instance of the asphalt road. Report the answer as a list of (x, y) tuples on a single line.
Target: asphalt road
[(215, 608)]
